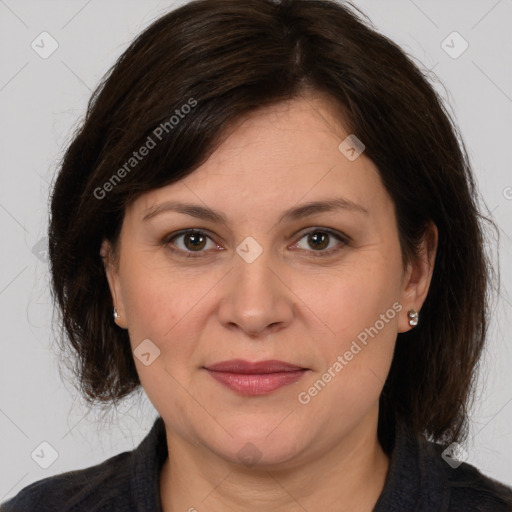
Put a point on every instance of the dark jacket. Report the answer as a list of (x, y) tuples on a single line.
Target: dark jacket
[(419, 480)]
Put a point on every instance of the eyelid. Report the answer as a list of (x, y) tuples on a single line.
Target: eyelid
[(169, 238), (344, 239), (341, 237)]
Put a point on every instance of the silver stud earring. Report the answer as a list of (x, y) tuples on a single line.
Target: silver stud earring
[(413, 316), (116, 314)]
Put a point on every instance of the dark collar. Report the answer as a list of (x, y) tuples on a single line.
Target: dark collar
[(414, 482), (148, 459)]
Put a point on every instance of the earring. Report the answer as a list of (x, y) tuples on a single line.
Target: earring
[(116, 314), (413, 316)]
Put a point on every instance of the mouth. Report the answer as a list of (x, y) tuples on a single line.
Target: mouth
[(255, 378)]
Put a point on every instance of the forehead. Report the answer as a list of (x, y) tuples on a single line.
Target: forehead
[(284, 154)]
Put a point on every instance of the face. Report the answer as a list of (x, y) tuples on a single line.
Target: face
[(324, 291)]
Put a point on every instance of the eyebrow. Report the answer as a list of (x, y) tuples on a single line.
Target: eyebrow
[(295, 213)]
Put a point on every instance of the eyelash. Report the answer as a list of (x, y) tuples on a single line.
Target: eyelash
[(317, 254)]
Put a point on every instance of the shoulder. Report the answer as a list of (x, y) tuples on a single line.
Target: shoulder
[(423, 476), (96, 488), (128, 481), (467, 487)]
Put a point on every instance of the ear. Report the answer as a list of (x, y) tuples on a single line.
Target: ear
[(111, 266), (417, 277)]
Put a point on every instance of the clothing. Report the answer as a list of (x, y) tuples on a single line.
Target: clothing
[(418, 480)]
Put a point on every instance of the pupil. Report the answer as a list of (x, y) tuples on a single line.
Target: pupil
[(323, 236), (197, 237)]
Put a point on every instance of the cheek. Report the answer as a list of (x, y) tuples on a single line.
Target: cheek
[(355, 365), (154, 301), (354, 299), (169, 307), (147, 302), (154, 294), (160, 308), (360, 311)]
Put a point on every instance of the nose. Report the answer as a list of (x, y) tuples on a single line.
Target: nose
[(255, 298)]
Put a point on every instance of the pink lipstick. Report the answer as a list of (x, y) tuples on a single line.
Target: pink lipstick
[(256, 378)]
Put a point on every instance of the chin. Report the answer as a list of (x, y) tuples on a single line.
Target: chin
[(262, 448)]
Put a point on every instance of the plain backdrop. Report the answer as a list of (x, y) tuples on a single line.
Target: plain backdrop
[(43, 99)]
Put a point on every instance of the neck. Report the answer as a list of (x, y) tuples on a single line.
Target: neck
[(348, 476)]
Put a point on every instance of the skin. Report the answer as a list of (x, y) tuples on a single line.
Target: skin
[(287, 304)]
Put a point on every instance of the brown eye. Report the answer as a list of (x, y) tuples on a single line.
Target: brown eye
[(192, 242), (319, 239)]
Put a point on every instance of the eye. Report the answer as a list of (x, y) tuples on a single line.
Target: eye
[(194, 241), (320, 238)]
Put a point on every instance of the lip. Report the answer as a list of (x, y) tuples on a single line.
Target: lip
[(255, 378), (248, 367)]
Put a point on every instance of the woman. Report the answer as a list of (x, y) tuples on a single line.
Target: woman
[(267, 221)]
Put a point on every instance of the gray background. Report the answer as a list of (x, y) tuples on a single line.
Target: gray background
[(41, 101)]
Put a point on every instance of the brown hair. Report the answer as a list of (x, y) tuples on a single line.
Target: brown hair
[(224, 59)]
